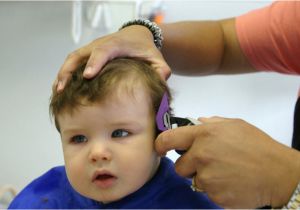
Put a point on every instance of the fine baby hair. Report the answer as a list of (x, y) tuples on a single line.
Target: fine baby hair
[(118, 75)]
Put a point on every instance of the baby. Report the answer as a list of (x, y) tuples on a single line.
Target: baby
[(107, 127)]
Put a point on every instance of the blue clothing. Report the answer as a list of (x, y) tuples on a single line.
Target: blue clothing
[(165, 190)]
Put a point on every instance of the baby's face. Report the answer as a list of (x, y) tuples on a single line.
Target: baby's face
[(109, 147)]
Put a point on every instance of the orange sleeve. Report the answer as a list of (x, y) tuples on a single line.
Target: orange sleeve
[(270, 37)]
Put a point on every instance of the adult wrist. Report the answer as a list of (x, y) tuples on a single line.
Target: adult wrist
[(288, 186), (152, 27), (294, 202)]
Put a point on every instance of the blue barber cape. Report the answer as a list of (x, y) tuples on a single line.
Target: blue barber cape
[(165, 190)]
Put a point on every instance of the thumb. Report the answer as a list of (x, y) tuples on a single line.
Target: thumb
[(161, 67), (179, 138)]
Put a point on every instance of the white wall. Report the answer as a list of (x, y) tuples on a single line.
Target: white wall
[(34, 41)]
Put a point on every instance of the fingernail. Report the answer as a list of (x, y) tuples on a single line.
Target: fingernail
[(88, 71)]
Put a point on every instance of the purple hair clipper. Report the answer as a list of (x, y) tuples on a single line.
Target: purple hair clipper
[(165, 121)]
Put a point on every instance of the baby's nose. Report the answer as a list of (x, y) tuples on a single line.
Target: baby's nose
[(100, 151)]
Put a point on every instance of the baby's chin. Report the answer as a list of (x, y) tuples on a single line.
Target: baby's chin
[(104, 197), (107, 198)]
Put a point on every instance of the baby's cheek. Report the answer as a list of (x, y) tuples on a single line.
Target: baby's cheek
[(74, 173)]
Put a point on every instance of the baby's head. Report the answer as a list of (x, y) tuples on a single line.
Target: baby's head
[(107, 127)]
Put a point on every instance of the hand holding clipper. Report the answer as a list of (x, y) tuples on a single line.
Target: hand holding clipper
[(165, 121)]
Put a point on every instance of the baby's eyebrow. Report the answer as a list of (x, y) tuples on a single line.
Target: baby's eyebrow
[(124, 122), (69, 131), (128, 125), (131, 124)]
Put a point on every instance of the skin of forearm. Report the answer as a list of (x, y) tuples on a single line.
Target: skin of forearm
[(203, 48)]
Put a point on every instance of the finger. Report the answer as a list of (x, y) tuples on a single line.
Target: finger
[(98, 58), (190, 163), (54, 85), (71, 63), (185, 165), (179, 138), (161, 66), (198, 184)]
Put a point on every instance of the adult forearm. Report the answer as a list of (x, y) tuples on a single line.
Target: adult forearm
[(190, 48), (203, 47)]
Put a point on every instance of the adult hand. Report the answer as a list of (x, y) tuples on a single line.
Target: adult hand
[(235, 163), (133, 41)]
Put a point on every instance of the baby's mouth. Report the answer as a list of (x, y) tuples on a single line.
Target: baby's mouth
[(104, 180), (104, 177)]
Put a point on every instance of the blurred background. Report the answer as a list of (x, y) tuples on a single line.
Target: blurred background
[(37, 36)]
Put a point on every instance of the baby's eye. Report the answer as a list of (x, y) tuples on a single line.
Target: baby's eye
[(119, 133), (78, 139)]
